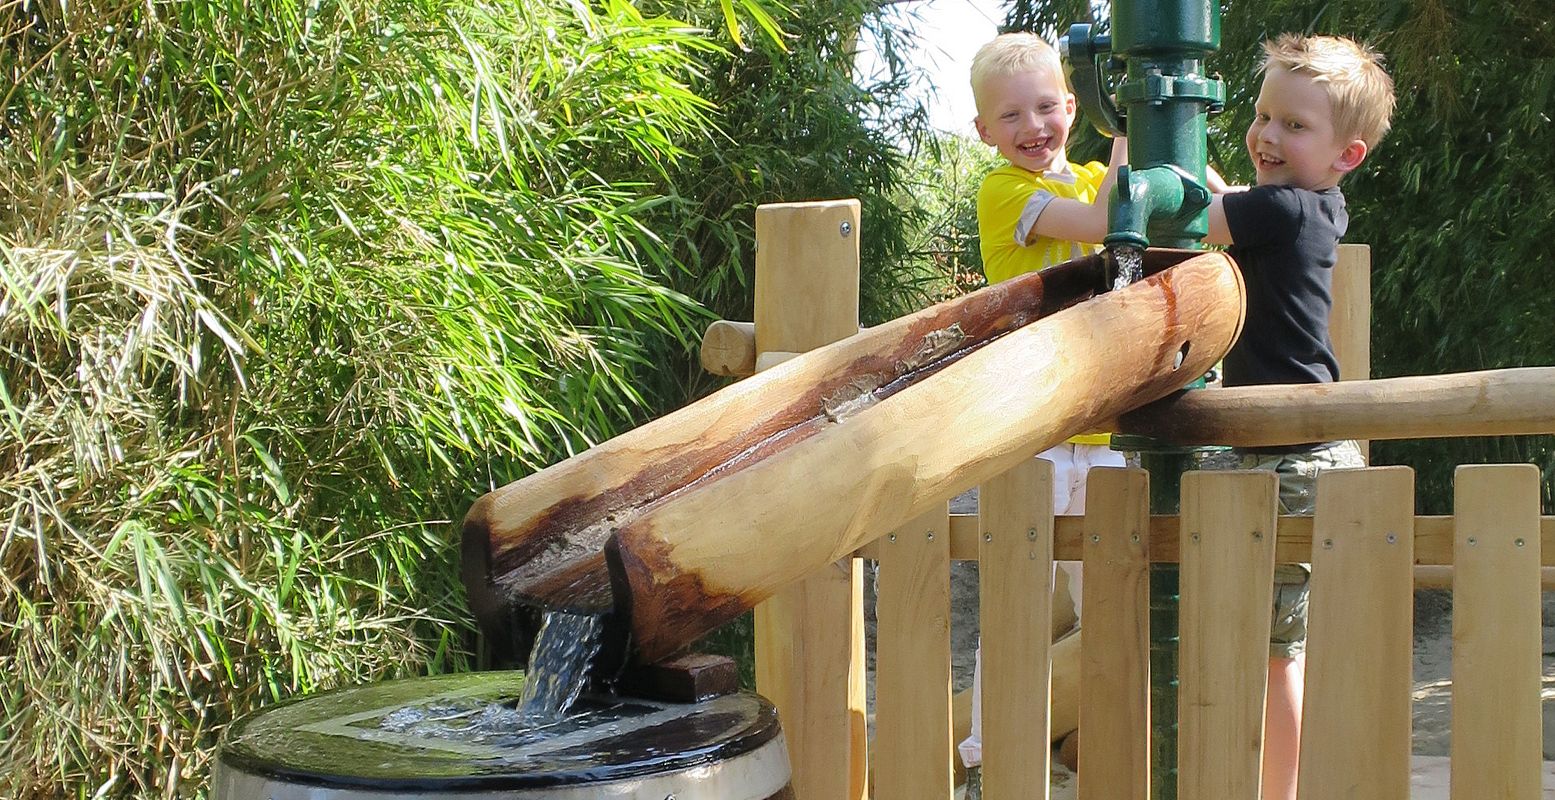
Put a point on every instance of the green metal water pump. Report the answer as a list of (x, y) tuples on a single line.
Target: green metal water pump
[(1162, 105), (1161, 199)]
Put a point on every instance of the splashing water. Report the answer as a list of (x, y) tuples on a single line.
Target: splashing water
[(558, 665), (1130, 263), (453, 720)]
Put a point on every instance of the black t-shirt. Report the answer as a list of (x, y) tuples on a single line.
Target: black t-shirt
[(1286, 242)]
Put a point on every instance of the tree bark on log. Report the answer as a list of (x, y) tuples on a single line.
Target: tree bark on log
[(539, 541), (685, 565)]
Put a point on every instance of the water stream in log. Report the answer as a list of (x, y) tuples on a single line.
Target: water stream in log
[(559, 665)]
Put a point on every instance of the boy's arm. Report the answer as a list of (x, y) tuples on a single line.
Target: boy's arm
[(1216, 183), (1219, 231), (1073, 220)]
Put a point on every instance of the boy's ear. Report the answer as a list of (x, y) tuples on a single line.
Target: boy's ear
[(1070, 109), (982, 130), (1351, 156)]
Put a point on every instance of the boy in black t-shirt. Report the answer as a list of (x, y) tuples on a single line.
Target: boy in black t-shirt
[(1324, 104)]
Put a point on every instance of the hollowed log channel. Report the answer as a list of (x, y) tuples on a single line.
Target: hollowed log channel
[(716, 506)]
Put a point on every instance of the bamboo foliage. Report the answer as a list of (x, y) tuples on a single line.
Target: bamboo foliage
[(282, 286)]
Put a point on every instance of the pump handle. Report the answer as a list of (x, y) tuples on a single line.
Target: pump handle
[(1083, 54)]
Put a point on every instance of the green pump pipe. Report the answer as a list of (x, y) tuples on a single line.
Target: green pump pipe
[(1162, 199)]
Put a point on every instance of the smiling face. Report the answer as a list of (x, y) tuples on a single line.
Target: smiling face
[(1292, 141), (1027, 116)]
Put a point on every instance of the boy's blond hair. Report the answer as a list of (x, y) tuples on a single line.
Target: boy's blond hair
[(1359, 89), (1008, 54)]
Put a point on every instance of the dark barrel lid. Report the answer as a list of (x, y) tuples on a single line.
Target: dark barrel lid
[(462, 732)]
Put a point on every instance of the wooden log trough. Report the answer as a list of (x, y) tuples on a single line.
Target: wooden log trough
[(713, 508)]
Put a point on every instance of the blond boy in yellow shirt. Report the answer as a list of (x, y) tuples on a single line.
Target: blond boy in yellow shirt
[(1033, 212)]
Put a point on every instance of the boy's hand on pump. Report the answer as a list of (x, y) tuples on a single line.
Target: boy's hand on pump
[(1119, 152)]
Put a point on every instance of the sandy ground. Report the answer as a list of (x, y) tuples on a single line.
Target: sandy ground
[(1432, 670)]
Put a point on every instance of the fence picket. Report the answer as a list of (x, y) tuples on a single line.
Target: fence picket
[(1016, 598), (1114, 644), (1356, 727), (912, 678), (1228, 523), (1497, 732)]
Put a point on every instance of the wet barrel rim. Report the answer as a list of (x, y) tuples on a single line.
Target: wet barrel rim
[(283, 742)]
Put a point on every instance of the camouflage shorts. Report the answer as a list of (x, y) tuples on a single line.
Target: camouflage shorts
[(1298, 484)]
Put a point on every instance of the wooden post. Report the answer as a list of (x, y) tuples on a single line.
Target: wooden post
[(1229, 521), (912, 658), (1355, 727), (1349, 322), (810, 637)]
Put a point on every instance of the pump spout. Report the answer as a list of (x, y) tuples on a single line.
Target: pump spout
[(1153, 198)]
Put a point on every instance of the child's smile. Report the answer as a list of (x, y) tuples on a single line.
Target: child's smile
[(1037, 148), (1264, 161)]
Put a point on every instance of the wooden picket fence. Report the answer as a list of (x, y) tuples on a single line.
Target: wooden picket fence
[(1365, 544)]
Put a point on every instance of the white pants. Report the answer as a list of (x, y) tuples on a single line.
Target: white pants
[(1071, 463)]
